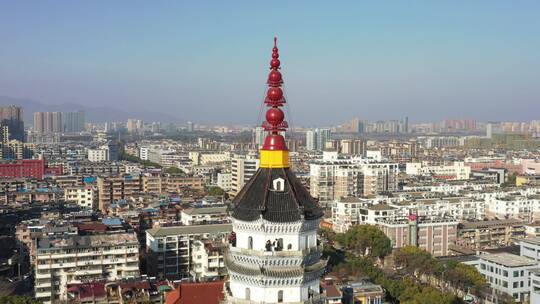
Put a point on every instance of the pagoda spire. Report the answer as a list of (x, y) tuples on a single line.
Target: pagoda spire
[(274, 152)]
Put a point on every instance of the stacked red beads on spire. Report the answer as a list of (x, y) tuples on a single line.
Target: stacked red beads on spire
[(274, 99)]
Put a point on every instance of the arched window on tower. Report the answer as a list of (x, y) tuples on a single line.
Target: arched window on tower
[(248, 294), (250, 242), (279, 184), (280, 296)]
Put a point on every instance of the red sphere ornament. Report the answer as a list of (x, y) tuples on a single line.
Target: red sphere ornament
[(274, 116), (274, 93), (274, 63), (274, 77)]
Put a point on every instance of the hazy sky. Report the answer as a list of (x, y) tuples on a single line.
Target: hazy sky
[(207, 61)]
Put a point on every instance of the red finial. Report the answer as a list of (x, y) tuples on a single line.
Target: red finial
[(274, 99)]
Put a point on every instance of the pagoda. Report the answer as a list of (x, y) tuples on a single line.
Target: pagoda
[(274, 255)]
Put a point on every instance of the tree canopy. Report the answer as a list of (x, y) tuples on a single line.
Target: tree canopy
[(366, 240), (17, 300)]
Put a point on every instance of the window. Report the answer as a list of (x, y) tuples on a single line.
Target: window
[(248, 294), (250, 242), (280, 296), (279, 184)]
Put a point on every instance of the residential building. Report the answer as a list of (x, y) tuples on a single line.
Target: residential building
[(243, 167), (435, 235), (61, 261), (30, 168), (224, 181), (333, 178), (111, 189), (353, 146), (12, 118), (207, 260), (363, 292), (351, 211), (84, 197), (204, 215), (311, 140), (48, 122), (73, 122), (508, 273), (490, 234), (535, 285), (455, 171), (169, 249), (97, 155), (530, 248)]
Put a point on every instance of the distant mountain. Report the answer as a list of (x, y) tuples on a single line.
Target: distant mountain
[(93, 114)]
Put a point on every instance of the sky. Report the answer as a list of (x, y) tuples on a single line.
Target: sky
[(207, 61)]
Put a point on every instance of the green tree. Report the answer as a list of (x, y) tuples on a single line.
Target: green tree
[(366, 240), (464, 276), (216, 191), (174, 170), (414, 260), (510, 181), (17, 300)]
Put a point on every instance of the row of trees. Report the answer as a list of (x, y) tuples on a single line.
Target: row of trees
[(135, 159), (367, 246), (399, 289), (419, 263)]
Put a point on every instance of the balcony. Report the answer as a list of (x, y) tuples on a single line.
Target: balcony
[(282, 253), (43, 294)]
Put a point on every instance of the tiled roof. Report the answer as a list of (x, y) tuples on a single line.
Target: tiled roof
[(196, 293), (258, 199)]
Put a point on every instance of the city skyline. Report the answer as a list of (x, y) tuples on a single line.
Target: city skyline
[(375, 61)]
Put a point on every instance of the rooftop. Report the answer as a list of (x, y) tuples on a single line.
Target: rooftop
[(380, 207), (508, 259), (192, 229), (479, 224), (532, 241), (206, 210), (86, 241)]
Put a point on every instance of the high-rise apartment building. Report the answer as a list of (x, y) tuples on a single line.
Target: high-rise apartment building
[(135, 125), (48, 122), (258, 136), (73, 122), (190, 126), (317, 139), (323, 136), (353, 146), (311, 140), (12, 117), (243, 166)]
